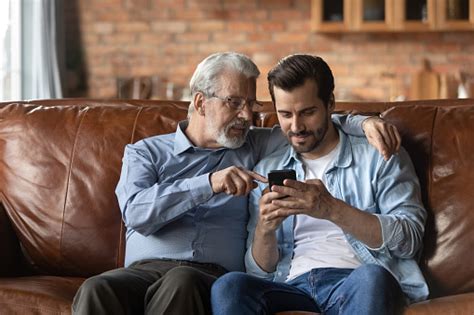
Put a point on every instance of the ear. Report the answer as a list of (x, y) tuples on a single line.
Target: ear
[(198, 101), (331, 103)]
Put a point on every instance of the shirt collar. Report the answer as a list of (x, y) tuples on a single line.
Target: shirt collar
[(181, 141), (344, 159)]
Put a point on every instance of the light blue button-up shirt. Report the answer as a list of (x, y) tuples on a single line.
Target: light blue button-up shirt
[(167, 201), (360, 177)]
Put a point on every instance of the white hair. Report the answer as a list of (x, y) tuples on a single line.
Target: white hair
[(207, 74)]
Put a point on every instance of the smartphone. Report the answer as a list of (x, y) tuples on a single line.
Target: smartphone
[(276, 177)]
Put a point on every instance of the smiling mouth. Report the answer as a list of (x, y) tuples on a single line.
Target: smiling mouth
[(300, 137)]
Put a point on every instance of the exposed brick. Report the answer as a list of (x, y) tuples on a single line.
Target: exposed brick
[(298, 26), (207, 26), (169, 37), (241, 26), (259, 37), (272, 4), (289, 14), (133, 27), (290, 37), (103, 27), (210, 48), (158, 41), (263, 58), (228, 37), (169, 26), (181, 48), (274, 26), (192, 37)]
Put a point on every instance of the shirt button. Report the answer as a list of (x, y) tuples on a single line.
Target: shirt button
[(279, 273)]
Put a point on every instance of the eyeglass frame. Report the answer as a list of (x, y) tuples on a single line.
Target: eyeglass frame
[(228, 101)]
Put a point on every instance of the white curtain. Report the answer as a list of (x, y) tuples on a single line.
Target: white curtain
[(10, 47), (40, 60)]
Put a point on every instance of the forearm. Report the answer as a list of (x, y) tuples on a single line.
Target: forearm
[(146, 210), (265, 250), (350, 124), (362, 225)]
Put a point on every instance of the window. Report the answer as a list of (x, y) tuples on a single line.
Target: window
[(10, 50)]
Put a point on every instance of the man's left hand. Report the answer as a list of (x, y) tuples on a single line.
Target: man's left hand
[(382, 135)]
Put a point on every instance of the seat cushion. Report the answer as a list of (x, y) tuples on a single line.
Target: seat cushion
[(38, 294)]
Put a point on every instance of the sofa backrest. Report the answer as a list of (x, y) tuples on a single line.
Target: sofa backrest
[(60, 161), (59, 164)]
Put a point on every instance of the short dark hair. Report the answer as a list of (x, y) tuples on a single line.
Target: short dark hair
[(293, 70)]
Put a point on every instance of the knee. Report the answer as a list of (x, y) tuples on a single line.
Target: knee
[(89, 290), (374, 277), (93, 285), (184, 278), (230, 285)]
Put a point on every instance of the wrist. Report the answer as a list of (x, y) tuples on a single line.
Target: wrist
[(364, 123), (263, 231)]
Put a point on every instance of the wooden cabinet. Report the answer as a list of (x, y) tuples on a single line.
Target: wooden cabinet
[(392, 15), (331, 16), (372, 15), (414, 15), (455, 14)]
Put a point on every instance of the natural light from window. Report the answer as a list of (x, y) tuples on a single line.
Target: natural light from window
[(10, 50)]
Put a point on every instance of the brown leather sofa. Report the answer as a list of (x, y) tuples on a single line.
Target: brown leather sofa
[(60, 223)]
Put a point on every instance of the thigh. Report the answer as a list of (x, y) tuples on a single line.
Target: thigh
[(139, 274), (369, 289), (260, 294), (185, 289), (118, 291)]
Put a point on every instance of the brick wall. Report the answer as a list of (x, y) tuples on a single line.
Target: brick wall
[(107, 39)]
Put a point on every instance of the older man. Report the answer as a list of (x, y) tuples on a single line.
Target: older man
[(183, 198)]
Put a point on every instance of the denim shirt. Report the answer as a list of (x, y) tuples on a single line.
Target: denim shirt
[(362, 178), (168, 205)]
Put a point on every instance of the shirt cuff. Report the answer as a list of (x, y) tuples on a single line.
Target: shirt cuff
[(200, 188), (253, 268), (386, 224)]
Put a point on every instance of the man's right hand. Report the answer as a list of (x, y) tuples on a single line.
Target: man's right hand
[(269, 219), (235, 181)]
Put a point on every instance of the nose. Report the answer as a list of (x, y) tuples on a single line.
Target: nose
[(246, 112), (296, 124)]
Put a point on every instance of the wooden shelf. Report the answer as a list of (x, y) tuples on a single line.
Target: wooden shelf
[(392, 15)]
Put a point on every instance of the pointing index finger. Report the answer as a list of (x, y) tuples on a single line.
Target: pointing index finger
[(258, 177)]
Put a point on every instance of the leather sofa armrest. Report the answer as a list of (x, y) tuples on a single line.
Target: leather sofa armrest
[(461, 304), (11, 262)]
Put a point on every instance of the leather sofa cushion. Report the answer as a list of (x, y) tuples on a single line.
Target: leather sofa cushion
[(59, 168)]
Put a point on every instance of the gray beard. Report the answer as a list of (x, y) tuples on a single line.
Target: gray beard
[(222, 138)]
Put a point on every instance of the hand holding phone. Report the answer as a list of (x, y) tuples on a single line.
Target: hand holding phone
[(276, 177)]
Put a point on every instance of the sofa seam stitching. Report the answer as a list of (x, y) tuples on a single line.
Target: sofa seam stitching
[(73, 150), (135, 124), (430, 161)]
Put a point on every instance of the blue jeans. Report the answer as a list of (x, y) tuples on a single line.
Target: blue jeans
[(369, 289)]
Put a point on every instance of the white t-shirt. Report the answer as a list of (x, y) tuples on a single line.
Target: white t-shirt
[(319, 243)]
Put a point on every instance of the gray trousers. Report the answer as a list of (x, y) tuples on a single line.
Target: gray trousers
[(149, 287)]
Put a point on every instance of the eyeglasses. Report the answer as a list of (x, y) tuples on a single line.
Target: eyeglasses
[(237, 103)]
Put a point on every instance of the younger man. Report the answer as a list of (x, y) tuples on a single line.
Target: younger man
[(344, 237)]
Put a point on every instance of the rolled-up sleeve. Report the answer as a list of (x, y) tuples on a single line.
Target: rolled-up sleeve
[(402, 215)]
